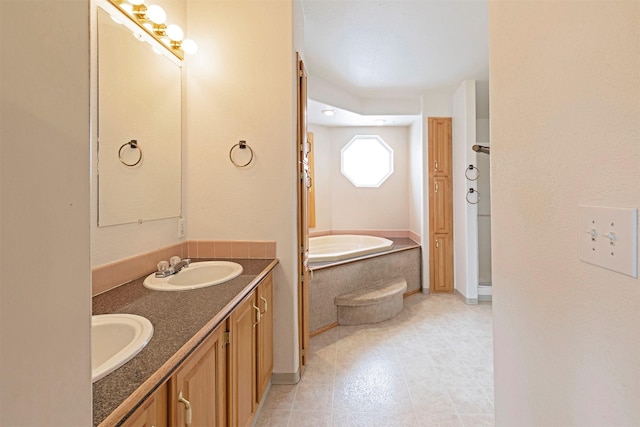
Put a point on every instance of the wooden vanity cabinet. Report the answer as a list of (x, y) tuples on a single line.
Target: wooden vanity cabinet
[(152, 413), (224, 379), (250, 353), (200, 383), (242, 362)]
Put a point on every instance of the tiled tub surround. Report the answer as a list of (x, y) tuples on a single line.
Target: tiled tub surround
[(331, 279), (181, 320), (109, 276)]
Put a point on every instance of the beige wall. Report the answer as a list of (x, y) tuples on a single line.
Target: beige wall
[(416, 190), (565, 130), (241, 86), (45, 264), (353, 208)]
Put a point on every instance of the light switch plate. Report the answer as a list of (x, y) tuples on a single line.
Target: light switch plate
[(608, 238)]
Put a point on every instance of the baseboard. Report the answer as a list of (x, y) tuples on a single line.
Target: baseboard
[(286, 377), (468, 301), (256, 416)]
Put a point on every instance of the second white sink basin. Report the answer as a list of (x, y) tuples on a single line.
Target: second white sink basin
[(116, 339), (196, 275)]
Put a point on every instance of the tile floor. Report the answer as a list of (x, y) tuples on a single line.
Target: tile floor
[(431, 365)]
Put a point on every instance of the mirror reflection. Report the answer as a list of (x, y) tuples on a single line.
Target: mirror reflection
[(139, 129)]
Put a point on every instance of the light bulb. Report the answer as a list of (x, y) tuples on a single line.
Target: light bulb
[(189, 46), (156, 14), (175, 33), (127, 7), (136, 2)]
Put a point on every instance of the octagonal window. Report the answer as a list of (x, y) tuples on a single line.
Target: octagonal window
[(367, 161)]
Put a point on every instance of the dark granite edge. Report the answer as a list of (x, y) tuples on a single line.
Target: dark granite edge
[(126, 408), (399, 244)]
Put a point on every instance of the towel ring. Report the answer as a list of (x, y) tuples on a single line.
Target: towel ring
[(134, 145), (471, 168), (242, 145), (473, 191)]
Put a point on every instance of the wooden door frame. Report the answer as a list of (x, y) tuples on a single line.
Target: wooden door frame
[(302, 221)]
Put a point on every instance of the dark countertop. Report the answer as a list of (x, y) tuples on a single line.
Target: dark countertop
[(399, 244), (181, 320)]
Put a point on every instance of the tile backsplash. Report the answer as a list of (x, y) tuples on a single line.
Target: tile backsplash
[(109, 276)]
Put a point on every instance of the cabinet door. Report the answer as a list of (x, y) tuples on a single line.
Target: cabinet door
[(265, 335), (440, 134), (201, 381), (242, 362), (442, 205), (442, 272), (152, 413)]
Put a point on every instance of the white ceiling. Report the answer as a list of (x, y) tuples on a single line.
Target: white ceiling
[(343, 117), (396, 48)]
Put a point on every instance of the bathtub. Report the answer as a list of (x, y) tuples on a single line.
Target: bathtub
[(343, 246)]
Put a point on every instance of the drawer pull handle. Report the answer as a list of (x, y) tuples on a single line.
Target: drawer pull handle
[(188, 415), (258, 315), (266, 304)]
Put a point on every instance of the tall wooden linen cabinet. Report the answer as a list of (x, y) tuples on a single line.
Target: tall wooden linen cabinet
[(440, 204)]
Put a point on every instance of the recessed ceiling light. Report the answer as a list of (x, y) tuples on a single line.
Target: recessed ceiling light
[(380, 121), (328, 112)]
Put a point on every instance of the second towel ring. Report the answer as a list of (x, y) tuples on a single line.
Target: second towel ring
[(241, 145), (134, 145), (471, 168), (473, 191)]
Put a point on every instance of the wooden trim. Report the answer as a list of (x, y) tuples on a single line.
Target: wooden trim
[(415, 291), (311, 211), (324, 329), (302, 224)]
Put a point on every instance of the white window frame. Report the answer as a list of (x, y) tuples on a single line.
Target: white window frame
[(351, 162)]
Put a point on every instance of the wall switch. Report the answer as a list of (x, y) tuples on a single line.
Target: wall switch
[(181, 228), (608, 238)]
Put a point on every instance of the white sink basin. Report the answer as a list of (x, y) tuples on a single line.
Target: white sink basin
[(196, 275), (115, 339)]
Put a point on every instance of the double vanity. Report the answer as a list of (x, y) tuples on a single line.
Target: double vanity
[(200, 356)]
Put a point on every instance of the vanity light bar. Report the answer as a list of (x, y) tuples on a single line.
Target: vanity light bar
[(151, 20)]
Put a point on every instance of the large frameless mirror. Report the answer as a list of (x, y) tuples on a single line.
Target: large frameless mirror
[(139, 128)]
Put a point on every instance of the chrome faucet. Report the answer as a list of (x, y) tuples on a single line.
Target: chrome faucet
[(174, 269)]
